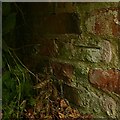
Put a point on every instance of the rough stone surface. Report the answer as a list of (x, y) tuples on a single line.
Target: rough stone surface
[(106, 51), (104, 22), (109, 105), (82, 37), (107, 80), (63, 71)]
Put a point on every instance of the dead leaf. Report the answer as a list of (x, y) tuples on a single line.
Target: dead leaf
[(63, 104), (61, 115)]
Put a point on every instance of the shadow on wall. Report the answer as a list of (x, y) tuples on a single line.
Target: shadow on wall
[(60, 24), (53, 18)]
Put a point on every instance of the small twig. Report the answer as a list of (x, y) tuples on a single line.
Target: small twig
[(19, 62)]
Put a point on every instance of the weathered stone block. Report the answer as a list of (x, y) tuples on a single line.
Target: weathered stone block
[(92, 55), (107, 80), (68, 91), (106, 51), (73, 48), (109, 105), (104, 22)]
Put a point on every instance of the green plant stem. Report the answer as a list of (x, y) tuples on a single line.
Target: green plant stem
[(26, 67)]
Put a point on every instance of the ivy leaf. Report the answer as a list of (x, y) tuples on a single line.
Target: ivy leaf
[(9, 23)]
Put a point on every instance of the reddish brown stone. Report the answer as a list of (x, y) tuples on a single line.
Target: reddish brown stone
[(98, 27), (107, 80), (115, 26), (48, 48), (63, 71), (104, 22)]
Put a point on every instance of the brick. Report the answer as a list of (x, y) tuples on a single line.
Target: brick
[(107, 80), (104, 22)]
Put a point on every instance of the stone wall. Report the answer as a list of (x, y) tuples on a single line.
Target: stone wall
[(80, 40)]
